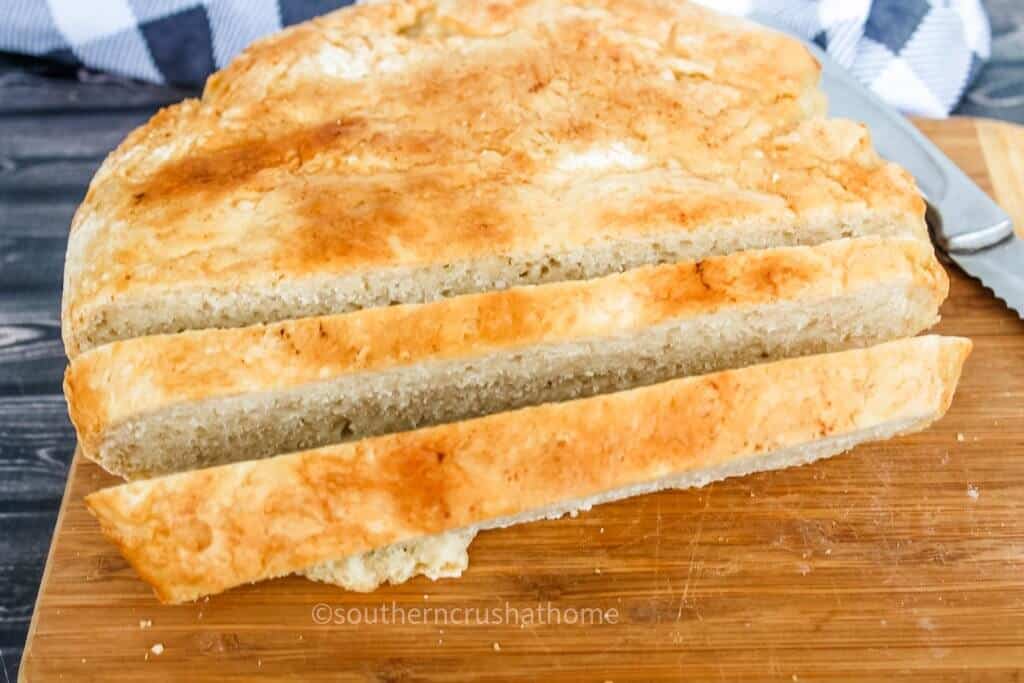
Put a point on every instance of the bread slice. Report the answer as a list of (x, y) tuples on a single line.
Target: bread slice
[(160, 404), (201, 532), (406, 151)]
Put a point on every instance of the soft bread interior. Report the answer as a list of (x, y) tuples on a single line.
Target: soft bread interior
[(197, 434), (442, 556), (446, 555), (127, 317)]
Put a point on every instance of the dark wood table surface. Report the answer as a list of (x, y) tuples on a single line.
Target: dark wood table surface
[(56, 126)]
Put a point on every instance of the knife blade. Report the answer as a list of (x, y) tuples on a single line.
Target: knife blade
[(965, 223)]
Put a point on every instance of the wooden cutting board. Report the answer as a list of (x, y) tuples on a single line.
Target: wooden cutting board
[(899, 559)]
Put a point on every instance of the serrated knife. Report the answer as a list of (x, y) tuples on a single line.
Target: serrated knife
[(965, 223)]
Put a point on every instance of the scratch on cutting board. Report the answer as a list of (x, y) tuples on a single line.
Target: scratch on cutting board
[(657, 542), (694, 542), (836, 592)]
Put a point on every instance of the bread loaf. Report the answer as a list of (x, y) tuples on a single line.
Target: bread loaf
[(166, 403), (406, 151), (201, 532)]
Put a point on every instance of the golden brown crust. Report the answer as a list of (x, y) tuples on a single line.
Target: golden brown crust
[(404, 134), (117, 381), (202, 532)]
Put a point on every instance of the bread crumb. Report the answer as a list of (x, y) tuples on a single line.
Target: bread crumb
[(259, 663), (601, 531), (145, 623), (960, 436), (157, 649), (83, 660), (972, 492), (597, 570), (497, 647)]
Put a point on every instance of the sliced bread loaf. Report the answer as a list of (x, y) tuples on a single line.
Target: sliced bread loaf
[(196, 533), (411, 150), (166, 403)]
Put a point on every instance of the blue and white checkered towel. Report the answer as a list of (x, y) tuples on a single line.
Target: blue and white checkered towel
[(919, 55)]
